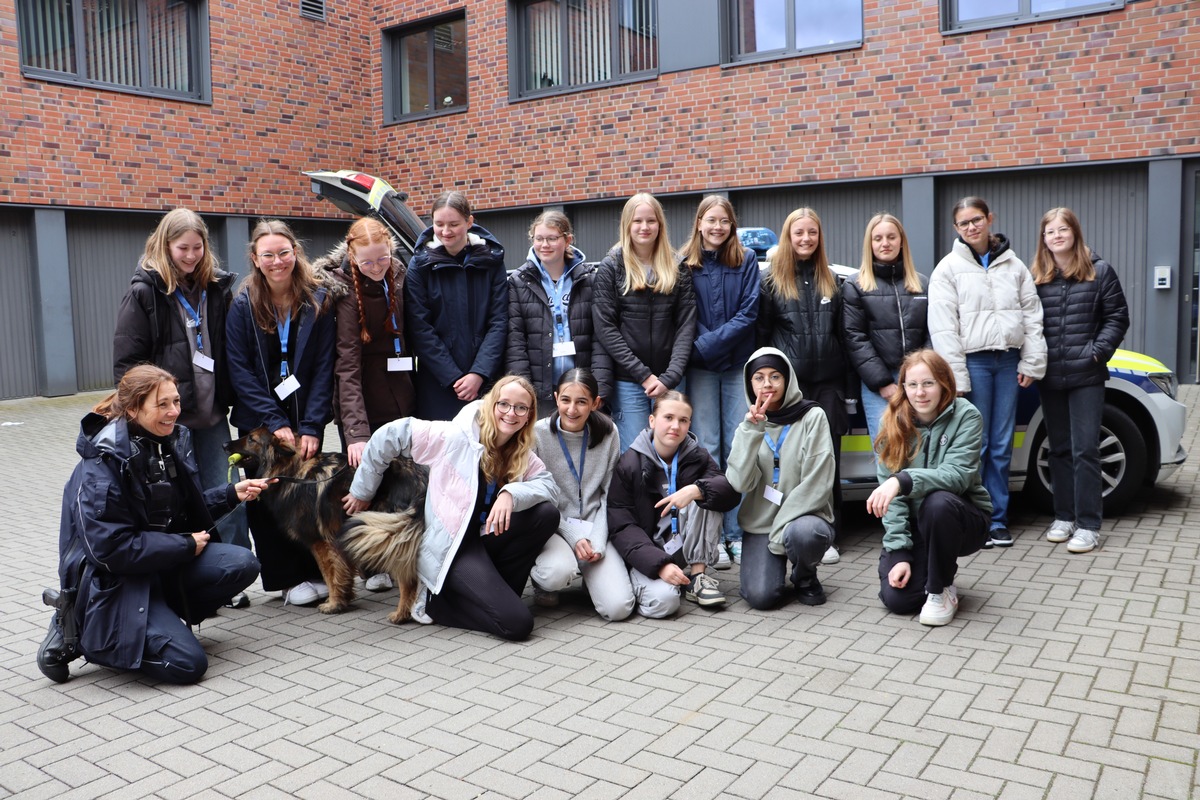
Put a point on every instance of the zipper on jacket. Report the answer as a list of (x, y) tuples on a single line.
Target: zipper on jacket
[(900, 319)]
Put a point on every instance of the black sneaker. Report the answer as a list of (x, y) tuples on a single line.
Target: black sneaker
[(810, 592), (51, 659), (239, 600), (1000, 537)]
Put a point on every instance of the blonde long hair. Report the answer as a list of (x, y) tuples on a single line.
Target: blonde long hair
[(508, 462), (1044, 266), (662, 263), (899, 441), (304, 283), (157, 256), (782, 276), (732, 252), (866, 270)]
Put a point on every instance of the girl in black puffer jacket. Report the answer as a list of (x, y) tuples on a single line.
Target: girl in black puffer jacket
[(884, 315), (1084, 317)]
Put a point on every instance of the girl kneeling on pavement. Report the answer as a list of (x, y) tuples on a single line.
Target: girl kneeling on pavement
[(782, 460), (580, 447), (664, 511), (931, 496), (489, 508)]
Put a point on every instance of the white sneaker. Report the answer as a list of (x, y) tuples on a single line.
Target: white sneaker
[(831, 556), (939, 609), (418, 609), (1084, 541), (306, 593), (380, 582), (735, 551), (723, 561), (1059, 531)]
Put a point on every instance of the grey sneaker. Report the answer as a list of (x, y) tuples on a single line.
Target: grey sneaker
[(704, 591), (831, 556), (723, 561), (1084, 541), (1059, 531), (939, 609)]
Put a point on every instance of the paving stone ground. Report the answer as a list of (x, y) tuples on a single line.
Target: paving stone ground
[(1062, 677)]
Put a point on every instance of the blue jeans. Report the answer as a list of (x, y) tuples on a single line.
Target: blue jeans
[(718, 407), (631, 411), (213, 462), (1073, 431), (994, 392), (873, 407)]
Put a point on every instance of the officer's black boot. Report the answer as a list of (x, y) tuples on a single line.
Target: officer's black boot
[(52, 659)]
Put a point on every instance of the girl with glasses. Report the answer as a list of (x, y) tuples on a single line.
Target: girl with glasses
[(985, 319), (644, 314), (280, 336), (726, 281), (489, 509), (1085, 317), (930, 496), (455, 309), (550, 327)]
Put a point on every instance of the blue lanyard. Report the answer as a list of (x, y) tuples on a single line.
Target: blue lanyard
[(582, 458), (775, 448), (488, 496), (672, 474), (194, 315), (387, 297), (558, 306), (283, 327)]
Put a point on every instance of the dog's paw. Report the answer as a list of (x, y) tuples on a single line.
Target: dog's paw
[(399, 617), (330, 607)]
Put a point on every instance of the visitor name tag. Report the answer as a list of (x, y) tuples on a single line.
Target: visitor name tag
[(581, 528), (400, 364), (773, 495), (673, 544), (284, 390), (563, 349), (203, 362)]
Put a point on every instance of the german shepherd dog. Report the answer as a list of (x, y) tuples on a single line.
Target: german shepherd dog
[(306, 502)]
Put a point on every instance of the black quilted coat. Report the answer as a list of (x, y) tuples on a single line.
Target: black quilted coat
[(1084, 323)]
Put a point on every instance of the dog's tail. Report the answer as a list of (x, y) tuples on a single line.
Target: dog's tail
[(377, 541)]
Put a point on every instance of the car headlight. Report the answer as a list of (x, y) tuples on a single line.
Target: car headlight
[(1166, 382)]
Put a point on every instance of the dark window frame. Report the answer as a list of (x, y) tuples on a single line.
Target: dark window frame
[(199, 62), (518, 53), (393, 54), (951, 25), (789, 50)]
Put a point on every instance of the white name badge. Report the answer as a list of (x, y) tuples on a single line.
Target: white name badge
[(203, 362), (563, 349), (284, 390), (673, 544), (580, 528), (400, 364), (773, 495)]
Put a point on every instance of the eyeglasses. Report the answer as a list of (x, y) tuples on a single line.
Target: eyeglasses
[(912, 386), (721, 223), (382, 263), (1063, 231), (973, 222), (506, 407), (270, 258), (550, 240)]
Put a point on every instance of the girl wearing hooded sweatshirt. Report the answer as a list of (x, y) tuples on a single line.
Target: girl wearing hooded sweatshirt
[(455, 309), (664, 510), (550, 312), (489, 508), (783, 462), (985, 319), (930, 495)]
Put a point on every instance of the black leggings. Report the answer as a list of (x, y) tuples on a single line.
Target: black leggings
[(482, 590)]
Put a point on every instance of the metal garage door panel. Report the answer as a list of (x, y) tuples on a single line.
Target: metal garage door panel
[(18, 363)]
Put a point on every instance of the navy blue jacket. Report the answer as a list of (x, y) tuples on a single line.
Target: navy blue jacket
[(105, 544), (456, 318), (726, 312), (1084, 323), (307, 410)]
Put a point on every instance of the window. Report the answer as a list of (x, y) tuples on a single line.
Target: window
[(570, 44), (969, 15), (429, 69), (765, 28), (147, 46)]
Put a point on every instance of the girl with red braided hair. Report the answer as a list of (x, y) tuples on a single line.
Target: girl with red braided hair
[(373, 369)]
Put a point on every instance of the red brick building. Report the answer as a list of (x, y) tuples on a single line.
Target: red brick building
[(116, 110)]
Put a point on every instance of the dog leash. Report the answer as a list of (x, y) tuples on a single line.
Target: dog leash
[(235, 458)]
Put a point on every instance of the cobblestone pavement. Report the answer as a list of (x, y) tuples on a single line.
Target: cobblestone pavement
[(1062, 677)]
